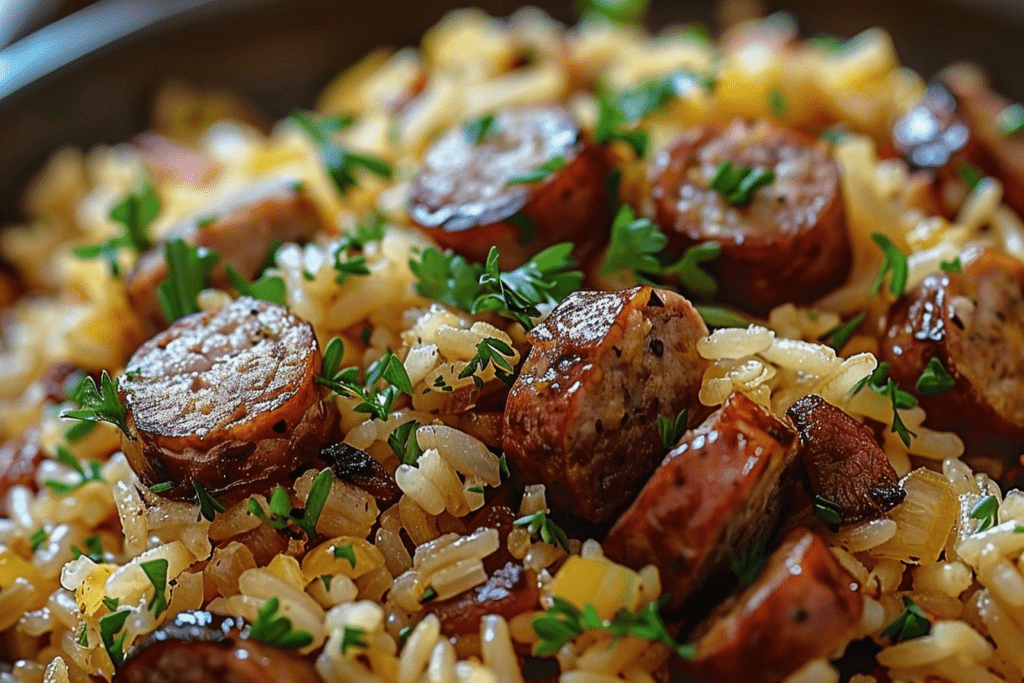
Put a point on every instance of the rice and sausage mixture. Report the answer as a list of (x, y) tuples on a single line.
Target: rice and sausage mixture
[(568, 353)]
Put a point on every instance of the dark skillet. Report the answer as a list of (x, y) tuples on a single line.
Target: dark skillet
[(88, 78)]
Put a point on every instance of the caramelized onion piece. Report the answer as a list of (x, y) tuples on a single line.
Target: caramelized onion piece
[(227, 398), (359, 468)]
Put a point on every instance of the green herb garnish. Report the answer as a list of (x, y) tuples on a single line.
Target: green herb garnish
[(880, 382), (549, 531), (954, 266), (340, 164), (345, 552), (99, 404), (625, 12), (747, 566), (111, 603), (156, 572), (716, 316), (110, 625), (490, 351), (188, 273), (935, 379), (352, 636), (778, 103), (94, 544), (1011, 120), (134, 213), (986, 510), (911, 623), (447, 277), (277, 631), (268, 287), (894, 265), (403, 442), (611, 125), (738, 184), (635, 244), (38, 538), (479, 128), (672, 430), (208, 505), (970, 175), (694, 279), (280, 511), (838, 336), (540, 173), (91, 472), (548, 277), (827, 510)]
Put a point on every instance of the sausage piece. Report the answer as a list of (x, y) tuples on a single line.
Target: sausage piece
[(716, 494), (509, 591), (973, 322), (199, 647), (846, 465), (801, 607), (227, 398), (931, 133), (243, 230), (789, 244), (582, 416), (462, 196)]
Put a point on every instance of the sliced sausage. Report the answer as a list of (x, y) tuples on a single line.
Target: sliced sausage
[(462, 196), (789, 244), (973, 322), (361, 469), (509, 591), (845, 464), (227, 398), (582, 416), (242, 230), (19, 458), (932, 132), (997, 153), (200, 647), (802, 606), (716, 494)]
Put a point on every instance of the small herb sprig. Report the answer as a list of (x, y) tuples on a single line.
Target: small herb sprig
[(827, 510), (935, 379), (267, 287), (188, 273), (208, 505), (352, 637), (547, 278), (89, 472), (490, 351), (403, 442), (340, 164), (737, 184), (987, 510), (911, 623), (94, 546), (540, 173), (134, 213), (550, 532), (478, 129), (840, 335), (880, 382), (374, 401), (280, 511), (672, 430), (564, 622), (277, 631), (156, 572), (894, 266), (99, 404), (110, 625)]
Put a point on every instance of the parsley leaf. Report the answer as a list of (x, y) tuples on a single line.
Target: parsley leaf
[(111, 603), (280, 510), (339, 163), (894, 264), (911, 623), (747, 566), (403, 442), (1011, 120), (375, 401), (208, 505), (365, 233), (134, 213), (738, 184), (428, 595), (268, 287), (778, 103), (692, 277), (672, 430), (38, 538), (156, 572), (548, 277), (346, 266), (490, 351), (986, 510), (634, 244), (447, 277), (549, 531), (345, 552), (83, 637), (65, 457), (827, 510), (188, 270), (935, 379), (540, 173), (94, 544), (626, 12), (716, 316), (880, 382), (99, 404), (352, 636), (953, 266), (838, 336), (109, 627), (611, 124), (277, 631), (479, 128)]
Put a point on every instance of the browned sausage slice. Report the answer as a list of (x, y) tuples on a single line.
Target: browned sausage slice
[(846, 465), (973, 322), (789, 244), (462, 196), (199, 647), (582, 416), (801, 607), (511, 590), (242, 230), (715, 495), (932, 132), (225, 397)]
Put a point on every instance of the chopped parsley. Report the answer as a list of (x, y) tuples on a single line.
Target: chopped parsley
[(935, 379), (827, 510), (564, 622), (156, 572), (110, 625), (339, 163), (549, 531), (738, 184), (134, 213), (403, 442), (346, 266), (374, 400), (911, 623), (94, 544), (99, 404), (986, 510), (111, 603), (86, 474), (838, 336), (162, 486), (38, 538), (476, 489), (268, 287), (345, 552), (447, 277), (83, 637), (694, 279), (352, 636), (365, 233), (672, 430), (880, 382), (645, 99), (716, 316), (490, 351), (540, 173), (970, 175), (527, 226), (749, 564), (894, 265), (277, 631), (327, 578), (280, 510), (188, 273), (954, 266), (635, 244), (428, 595), (479, 128), (208, 505), (611, 125), (548, 277), (1011, 120), (503, 466), (625, 12)]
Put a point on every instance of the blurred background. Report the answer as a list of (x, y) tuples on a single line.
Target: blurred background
[(84, 71)]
